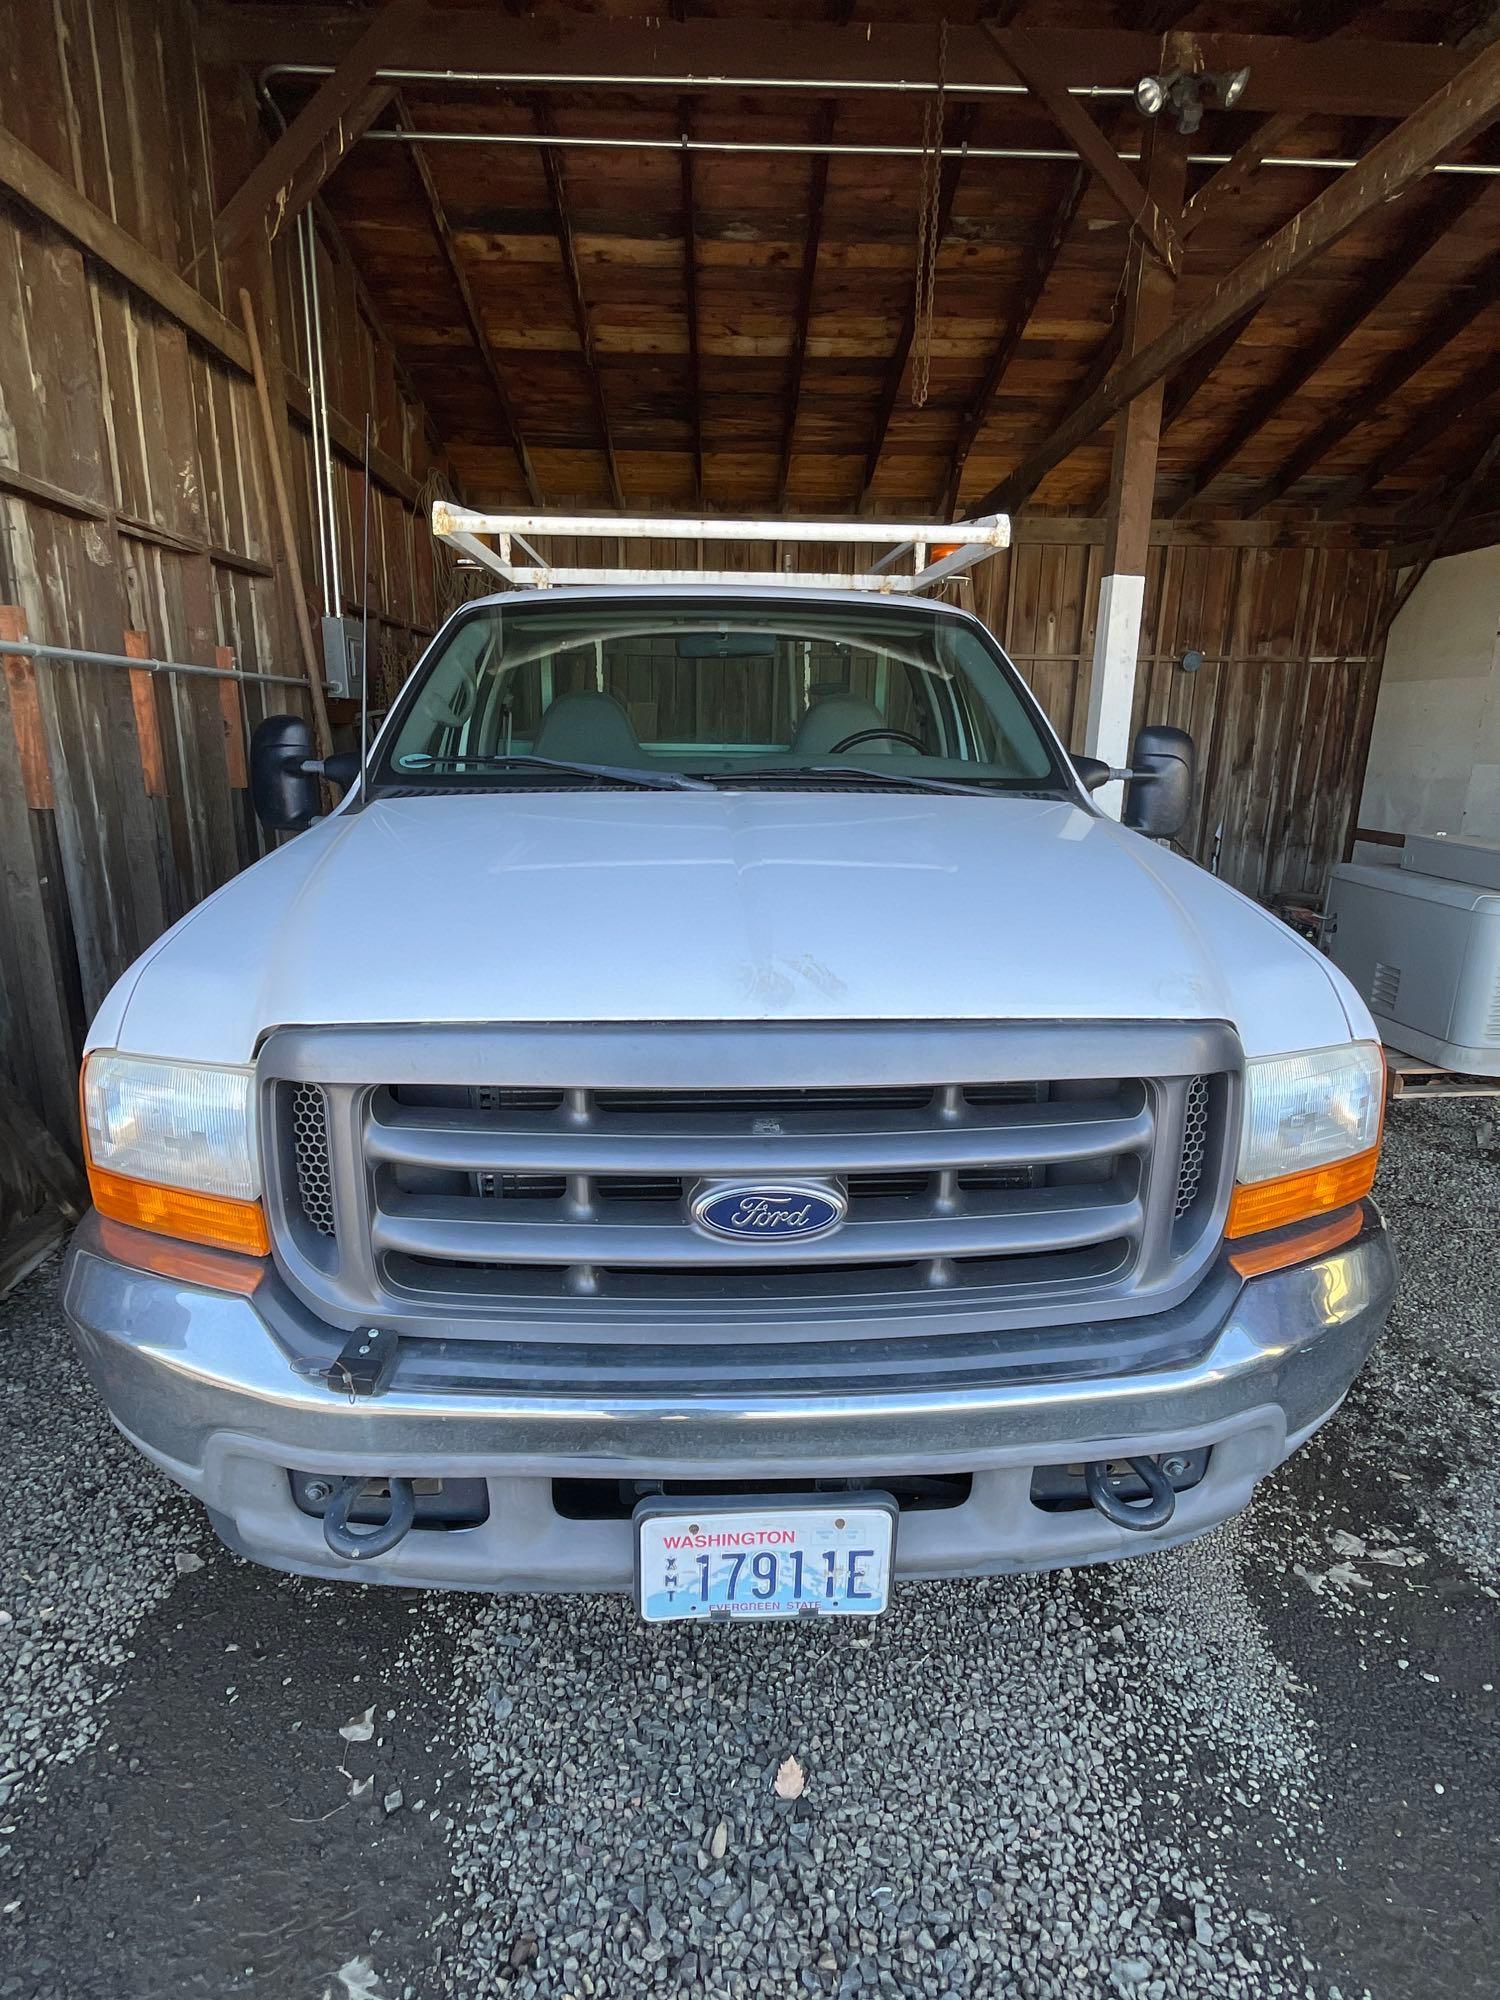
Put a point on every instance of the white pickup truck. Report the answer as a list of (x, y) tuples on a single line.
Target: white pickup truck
[(718, 1112)]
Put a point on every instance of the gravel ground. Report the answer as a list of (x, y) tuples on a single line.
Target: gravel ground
[(1262, 1765)]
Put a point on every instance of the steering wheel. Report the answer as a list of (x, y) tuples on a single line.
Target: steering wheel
[(874, 736)]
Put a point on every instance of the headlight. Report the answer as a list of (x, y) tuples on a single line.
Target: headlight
[(172, 1147), (1310, 1135)]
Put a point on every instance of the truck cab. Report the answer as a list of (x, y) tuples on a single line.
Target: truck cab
[(720, 1111)]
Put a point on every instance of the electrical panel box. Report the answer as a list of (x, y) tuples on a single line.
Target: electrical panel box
[(1424, 951), (344, 658)]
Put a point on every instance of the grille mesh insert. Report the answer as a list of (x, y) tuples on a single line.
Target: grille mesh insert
[(310, 1152), (1194, 1146)]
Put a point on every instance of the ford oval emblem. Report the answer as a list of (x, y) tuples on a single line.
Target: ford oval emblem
[(774, 1212)]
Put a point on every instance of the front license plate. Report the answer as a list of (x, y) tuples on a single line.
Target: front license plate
[(748, 1558)]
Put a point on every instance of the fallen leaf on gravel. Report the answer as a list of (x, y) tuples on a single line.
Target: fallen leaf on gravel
[(1347, 1577), (187, 1562), (720, 1840), (791, 1779), (359, 1980), (360, 1728)]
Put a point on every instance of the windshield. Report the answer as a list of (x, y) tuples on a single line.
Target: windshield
[(722, 692)]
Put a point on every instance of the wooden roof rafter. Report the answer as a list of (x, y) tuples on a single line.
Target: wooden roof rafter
[(1450, 119), (812, 242), (895, 372), (449, 251), (690, 296), (1049, 85), (839, 12), (1477, 296), (1367, 296), (562, 225), (1039, 270), (339, 113), (1478, 388)]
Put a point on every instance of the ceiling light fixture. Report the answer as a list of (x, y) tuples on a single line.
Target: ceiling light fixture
[(1186, 94)]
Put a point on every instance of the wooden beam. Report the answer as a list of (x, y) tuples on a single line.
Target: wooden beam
[(1360, 77), (690, 289), (1461, 401), (563, 228), (1124, 187), (339, 113), (812, 239), (1038, 271), (1469, 299), (1460, 109), (35, 184), (1317, 18), (1228, 182), (839, 12), (948, 180), (1367, 297), (1149, 292), (1190, 378), (448, 250)]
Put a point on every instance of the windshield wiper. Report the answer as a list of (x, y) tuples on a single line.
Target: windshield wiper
[(615, 774), (907, 781)]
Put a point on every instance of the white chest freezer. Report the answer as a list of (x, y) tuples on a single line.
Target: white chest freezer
[(1421, 942)]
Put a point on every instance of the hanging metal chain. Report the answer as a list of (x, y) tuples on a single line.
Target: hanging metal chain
[(929, 225)]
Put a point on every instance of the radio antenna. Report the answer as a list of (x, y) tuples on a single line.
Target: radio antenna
[(364, 629)]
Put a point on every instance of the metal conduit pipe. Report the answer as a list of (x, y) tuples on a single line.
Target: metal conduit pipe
[(32, 650), (822, 86), (304, 228), (565, 79), (873, 150), (323, 451)]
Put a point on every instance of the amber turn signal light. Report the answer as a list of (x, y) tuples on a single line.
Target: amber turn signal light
[(215, 1220), (1262, 1205), (1298, 1246)]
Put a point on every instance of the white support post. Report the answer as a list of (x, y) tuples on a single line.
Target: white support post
[(1117, 638)]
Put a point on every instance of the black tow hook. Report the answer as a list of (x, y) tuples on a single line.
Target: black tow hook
[(359, 1545), (1139, 1515)]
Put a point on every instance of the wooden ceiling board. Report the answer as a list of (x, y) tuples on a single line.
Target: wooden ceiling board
[(751, 213)]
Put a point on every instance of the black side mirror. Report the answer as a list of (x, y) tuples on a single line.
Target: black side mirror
[(284, 774), (1160, 793), (1092, 772)]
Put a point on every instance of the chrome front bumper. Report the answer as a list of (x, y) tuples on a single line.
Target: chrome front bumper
[(208, 1385)]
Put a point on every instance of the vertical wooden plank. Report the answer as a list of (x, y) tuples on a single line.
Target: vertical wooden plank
[(234, 721), (147, 721), (26, 714)]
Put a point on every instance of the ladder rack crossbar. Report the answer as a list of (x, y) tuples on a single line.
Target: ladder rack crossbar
[(470, 533)]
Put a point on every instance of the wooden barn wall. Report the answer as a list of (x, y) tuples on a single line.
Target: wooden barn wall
[(135, 497), (1280, 709)]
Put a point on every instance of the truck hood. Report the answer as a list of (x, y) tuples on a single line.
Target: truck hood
[(631, 906)]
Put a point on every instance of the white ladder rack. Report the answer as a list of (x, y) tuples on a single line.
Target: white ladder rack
[(962, 544)]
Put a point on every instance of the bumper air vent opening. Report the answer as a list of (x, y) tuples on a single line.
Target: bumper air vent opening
[(617, 1499)]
